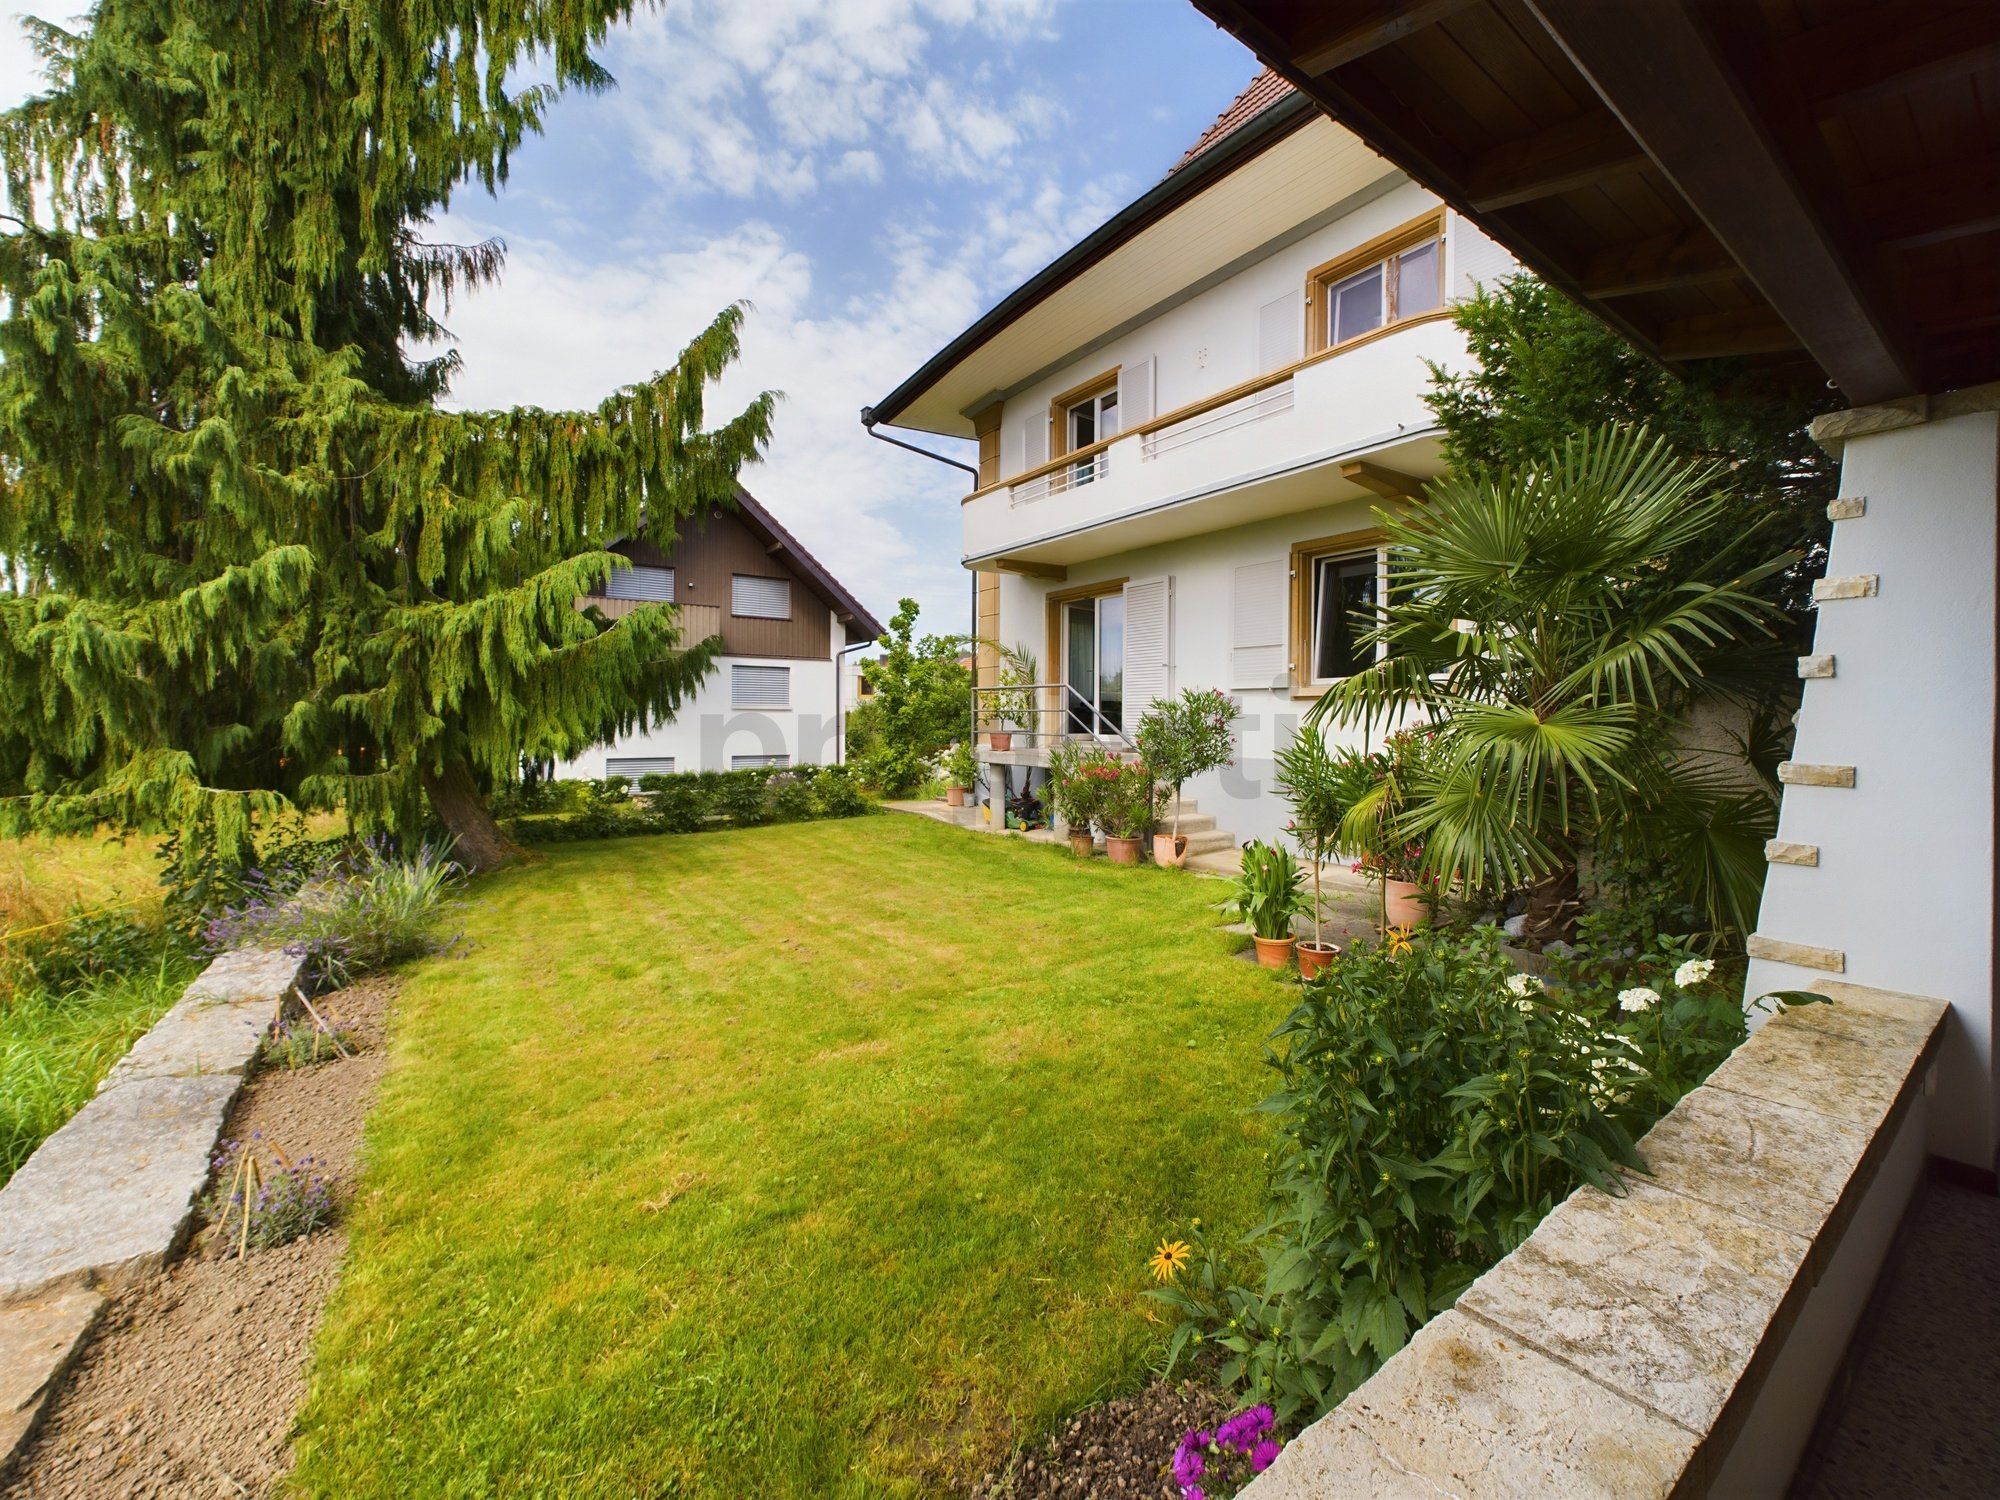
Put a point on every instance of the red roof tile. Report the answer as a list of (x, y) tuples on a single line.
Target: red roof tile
[(1265, 90)]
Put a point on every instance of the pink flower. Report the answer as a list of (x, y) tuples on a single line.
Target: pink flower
[(1262, 1455)]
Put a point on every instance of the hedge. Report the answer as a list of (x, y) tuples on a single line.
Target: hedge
[(685, 802)]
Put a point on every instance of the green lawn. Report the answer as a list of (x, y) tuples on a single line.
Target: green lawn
[(802, 1161)]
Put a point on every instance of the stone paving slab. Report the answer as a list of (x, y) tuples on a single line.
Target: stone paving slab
[(198, 1036), (1466, 1410), (1770, 1163), (1814, 1069), (1660, 1297), (106, 1199), (38, 1340), (246, 974)]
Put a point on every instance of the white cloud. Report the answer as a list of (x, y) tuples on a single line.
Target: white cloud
[(771, 99)]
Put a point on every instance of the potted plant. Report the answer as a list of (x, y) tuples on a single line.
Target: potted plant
[(1014, 703), (1127, 807), (1180, 739), (1394, 861), (961, 773), (1268, 894), (1076, 797), (1323, 787)]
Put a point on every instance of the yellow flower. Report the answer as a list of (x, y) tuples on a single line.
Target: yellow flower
[(1169, 1260), (1398, 941)]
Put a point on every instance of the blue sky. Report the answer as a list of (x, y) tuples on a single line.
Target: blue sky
[(869, 174)]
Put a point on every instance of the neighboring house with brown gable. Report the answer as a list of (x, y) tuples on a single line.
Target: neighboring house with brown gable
[(777, 696)]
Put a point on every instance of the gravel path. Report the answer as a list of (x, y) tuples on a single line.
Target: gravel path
[(191, 1383)]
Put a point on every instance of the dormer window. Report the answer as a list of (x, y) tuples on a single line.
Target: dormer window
[(1389, 280)]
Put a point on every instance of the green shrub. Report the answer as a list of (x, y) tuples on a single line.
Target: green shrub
[(837, 795), (1433, 1111), (303, 1041), (689, 801)]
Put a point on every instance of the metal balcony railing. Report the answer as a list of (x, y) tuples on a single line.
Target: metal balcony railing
[(1056, 481), (1056, 711)]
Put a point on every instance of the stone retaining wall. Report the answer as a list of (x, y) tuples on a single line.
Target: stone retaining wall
[(109, 1197), (1628, 1347)]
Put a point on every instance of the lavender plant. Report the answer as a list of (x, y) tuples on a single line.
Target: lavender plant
[(306, 1040), (373, 909), (255, 1205)]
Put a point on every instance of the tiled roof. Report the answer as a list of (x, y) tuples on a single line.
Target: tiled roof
[(1265, 90)]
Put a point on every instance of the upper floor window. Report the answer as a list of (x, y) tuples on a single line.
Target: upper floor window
[(1082, 417), (1393, 277), (641, 582), (1092, 419), (760, 598)]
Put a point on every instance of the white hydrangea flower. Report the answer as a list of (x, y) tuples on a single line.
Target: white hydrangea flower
[(1520, 986), (1693, 972), (1638, 998)]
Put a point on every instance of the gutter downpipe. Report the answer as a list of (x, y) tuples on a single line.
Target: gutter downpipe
[(972, 635)]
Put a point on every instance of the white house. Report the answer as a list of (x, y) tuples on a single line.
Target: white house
[(783, 684), (1186, 424)]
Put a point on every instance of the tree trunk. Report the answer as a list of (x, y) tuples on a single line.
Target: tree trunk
[(477, 841), (1554, 903)]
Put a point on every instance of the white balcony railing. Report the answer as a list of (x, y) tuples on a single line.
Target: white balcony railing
[(1241, 412), (1056, 481)]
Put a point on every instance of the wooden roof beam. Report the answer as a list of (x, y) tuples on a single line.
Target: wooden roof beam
[(1391, 25), (1053, 572), (1571, 155), (1749, 330), (1655, 66), (1657, 265), (1378, 479), (1878, 54)]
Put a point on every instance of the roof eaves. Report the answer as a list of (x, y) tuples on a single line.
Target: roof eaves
[(774, 534), (1248, 140)]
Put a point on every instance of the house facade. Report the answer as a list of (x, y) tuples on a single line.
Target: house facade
[(783, 683), (1186, 427)]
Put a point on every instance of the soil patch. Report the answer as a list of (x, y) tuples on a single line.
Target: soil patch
[(1121, 1448), (191, 1382)]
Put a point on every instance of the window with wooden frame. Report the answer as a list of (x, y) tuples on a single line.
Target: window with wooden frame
[(1084, 414), (1393, 278), (1337, 582)]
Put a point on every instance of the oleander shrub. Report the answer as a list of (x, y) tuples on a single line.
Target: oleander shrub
[(1434, 1104)]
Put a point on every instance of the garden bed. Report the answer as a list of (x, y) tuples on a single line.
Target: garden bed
[(192, 1378)]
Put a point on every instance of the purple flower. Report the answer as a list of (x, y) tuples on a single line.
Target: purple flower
[(1261, 1456)]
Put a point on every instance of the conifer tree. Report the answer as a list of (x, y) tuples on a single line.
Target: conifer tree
[(250, 562)]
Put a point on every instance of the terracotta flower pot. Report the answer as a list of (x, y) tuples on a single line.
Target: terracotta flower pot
[(1003, 739), (954, 796), (1314, 957), (1170, 850), (1403, 907), (1122, 851), (1082, 845), (1275, 953)]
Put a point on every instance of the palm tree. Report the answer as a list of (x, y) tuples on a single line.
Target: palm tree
[(1556, 623)]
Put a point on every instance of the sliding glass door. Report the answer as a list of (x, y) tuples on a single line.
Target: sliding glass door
[(1094, 664)]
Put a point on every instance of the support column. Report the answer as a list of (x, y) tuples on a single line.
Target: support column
[(1891, 783)]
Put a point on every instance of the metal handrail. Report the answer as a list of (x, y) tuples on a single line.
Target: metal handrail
[(1072, 702)]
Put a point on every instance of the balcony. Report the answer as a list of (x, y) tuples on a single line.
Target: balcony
[(1269, 447)]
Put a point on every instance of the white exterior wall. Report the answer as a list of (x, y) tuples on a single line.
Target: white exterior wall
[(1210, 342), (708, 731), (1905, 881), (1243, 798)]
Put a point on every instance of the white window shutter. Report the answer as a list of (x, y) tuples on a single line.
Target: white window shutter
[(759, 687), (1281, 329), (1257, 652), (632, 767), (637, 581), (754, 598), (1149, 646), (1034, 443), (1135, 393)]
